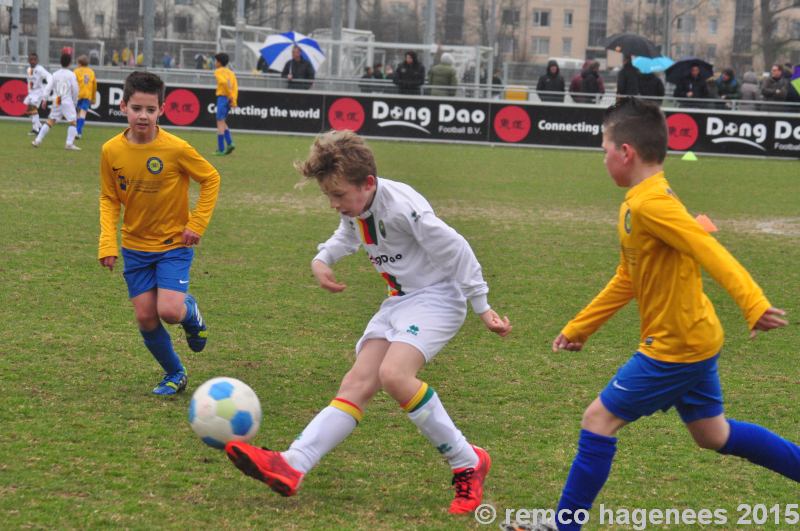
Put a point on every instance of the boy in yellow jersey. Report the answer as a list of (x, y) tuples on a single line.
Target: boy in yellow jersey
[(227, 93), (663, 250), (431, 272), (87, 90), (147, 170)]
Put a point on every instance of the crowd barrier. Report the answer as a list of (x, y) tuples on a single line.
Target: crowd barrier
[(446, 120)]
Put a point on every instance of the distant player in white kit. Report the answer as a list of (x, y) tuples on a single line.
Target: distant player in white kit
[(64, 87), (38, 81), (431, 273)]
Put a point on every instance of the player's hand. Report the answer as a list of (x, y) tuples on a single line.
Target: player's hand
[(501, 327), (108, 261), (325, 277), (190, 237), (771, 319), (562, 342)]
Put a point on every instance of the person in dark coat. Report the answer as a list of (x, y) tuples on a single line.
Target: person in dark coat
[(298, 71), (591, 83), (628, 78), (409, 75), (551, 82), (651, 85), (575, 82), (692, 86)]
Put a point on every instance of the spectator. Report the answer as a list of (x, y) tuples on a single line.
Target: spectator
[(627, 78), (140, 59), (94, 57), (575, 82), (443, 76), (551, 83), (167, 60), (298, 71), (409, 75), (650, 85), (787, 71), (497, 85), (775, 88), (750, 91), (591, 83), (199, 61), (692, 86), (366, 83), (728, 87), (126, 56), (115, 58), (377, 71), (261, 64), (388, 72)]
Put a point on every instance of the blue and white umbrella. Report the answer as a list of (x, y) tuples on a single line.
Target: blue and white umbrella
[(277, 50), (651, 65)]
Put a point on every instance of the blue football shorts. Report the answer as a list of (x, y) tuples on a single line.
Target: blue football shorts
[(83, 104), (165, 270), (223, 106), (644, 385)]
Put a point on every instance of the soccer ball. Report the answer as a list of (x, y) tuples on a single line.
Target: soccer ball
[(224, 409)]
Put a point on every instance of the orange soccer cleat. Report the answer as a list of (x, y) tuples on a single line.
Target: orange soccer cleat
[(469, 483), (265, 465)]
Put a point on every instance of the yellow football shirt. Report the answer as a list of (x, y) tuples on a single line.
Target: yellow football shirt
[(152, 182), (87, 83), (226, 84), (663, 249)]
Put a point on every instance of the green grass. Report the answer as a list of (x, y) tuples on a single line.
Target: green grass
[(83, 444)]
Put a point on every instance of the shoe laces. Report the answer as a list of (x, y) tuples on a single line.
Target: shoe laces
[(463, 483)]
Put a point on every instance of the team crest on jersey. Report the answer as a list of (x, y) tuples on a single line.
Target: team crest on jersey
[(154, 165), (382, 228), (628, 221)]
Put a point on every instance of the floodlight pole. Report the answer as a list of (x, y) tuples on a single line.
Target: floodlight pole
[(430, 32), (14, 38), (148, 30), (43, 31), (240, 24), (492, 43), (336, 36), (667, 29), (351, 14)]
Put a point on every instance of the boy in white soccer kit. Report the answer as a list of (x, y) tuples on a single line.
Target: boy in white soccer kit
[(65, 88), (39, 80), (431, 272)]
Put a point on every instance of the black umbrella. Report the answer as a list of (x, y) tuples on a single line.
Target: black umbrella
[(681, 69), (631, 44)]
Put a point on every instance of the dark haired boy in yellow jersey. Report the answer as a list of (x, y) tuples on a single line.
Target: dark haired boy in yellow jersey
[(227, 94), (663, 250), (148, 170)]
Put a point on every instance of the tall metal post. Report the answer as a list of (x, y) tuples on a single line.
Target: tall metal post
[(352, 10), (336, 35), (43, 32), (667, 30), (148, 31), (430, 32), (492, 43), (14, 40), (240, 25)]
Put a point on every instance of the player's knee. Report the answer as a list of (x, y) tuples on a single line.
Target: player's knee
[(392, 379), (358, 388), (710, 441), (170, 314), (146, 320)]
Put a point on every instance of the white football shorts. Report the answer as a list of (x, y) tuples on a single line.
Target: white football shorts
[(426, 319), (34, 98), (64, 112)]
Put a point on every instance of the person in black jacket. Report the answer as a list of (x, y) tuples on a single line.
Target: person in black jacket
[(409, 75), (551, 82), (298, 71), (628, 78), (692, 86), (651, 85)]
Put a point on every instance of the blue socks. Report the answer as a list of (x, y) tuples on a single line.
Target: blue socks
[(159, 344), (588, 474), (81, 121), (762, 447), (221, 142), (228, 139)]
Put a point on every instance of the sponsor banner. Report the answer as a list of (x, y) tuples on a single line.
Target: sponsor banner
[(547, 125), (428, 118), (409, 117)]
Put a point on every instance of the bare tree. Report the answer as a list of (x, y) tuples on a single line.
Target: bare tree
[(773, 41), (76, 21)]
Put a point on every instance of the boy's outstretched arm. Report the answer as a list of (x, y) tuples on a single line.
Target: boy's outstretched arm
[(493, 322), (324, 275), (769, 320)]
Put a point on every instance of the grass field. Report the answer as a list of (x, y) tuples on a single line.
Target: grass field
[(83, 444)]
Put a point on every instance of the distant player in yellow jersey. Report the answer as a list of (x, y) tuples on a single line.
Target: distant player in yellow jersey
[(663, 249), (227, 93), (87, 90), (147, 170)]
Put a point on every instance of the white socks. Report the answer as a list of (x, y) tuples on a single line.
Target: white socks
[(330, 427), (36, 122), (42, 133), (72, 132)]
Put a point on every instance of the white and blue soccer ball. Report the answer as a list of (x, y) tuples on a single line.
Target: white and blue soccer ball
[(224, 409)]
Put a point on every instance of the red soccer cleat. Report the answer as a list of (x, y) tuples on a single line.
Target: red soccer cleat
[(265, 465), (469, 483)]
